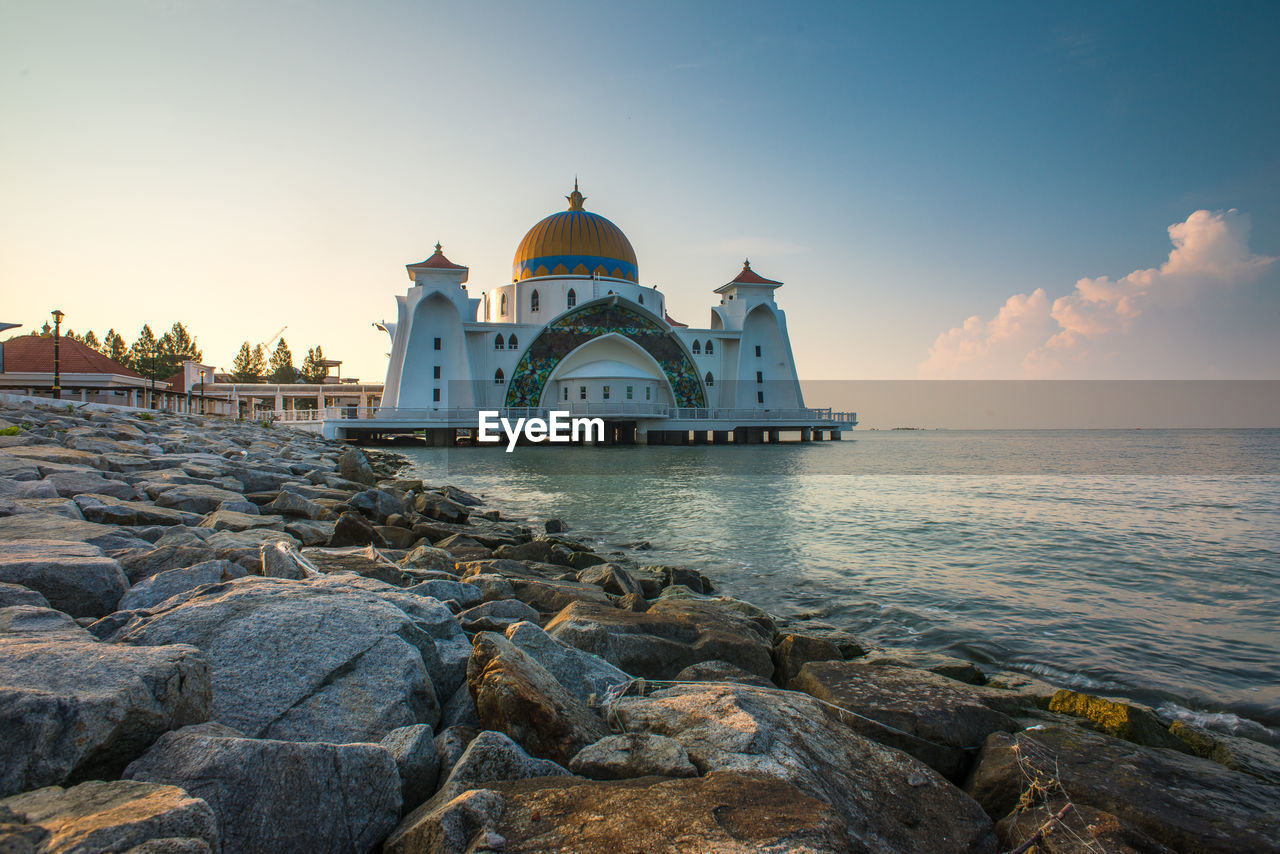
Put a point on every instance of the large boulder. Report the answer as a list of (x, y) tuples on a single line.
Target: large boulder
[(418, 763), (516, 695), (122, 815), (307, 661), (354, 466), (229, 520), (109, 510), (792, 652), (587, 677), (48, 525), (660, 642), (1184, 802), (75, 577), (890, 801), (376, 504), (1118, 718), (280, 795), (72, 483), (73, 708), (16, 594), (935, 719), (196, 498), (164, 557), (633, 754), (297, 506), (495, 616), (352, 529), (436, 506), (153, 590)]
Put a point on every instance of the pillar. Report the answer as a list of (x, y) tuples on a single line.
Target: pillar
[(655, 437), (699, 437), (774, 437), (739, 435), (835, 435), (806, 434), (720, 437)]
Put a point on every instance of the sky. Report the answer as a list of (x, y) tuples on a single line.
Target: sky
[(949, 191)]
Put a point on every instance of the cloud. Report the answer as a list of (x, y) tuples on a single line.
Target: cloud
[(1031, 338)]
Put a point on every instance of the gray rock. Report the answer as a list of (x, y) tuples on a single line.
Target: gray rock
[(352, 529), (259, 480), (428, 557), (612, 579), (280, 795), (51, 526), (516, 695), (354, 466), (164, 558), (460, 709), (306, 661), (466, 499), (16, 594), (721, 671), (461, 592), (792, 652), (37, 489), (376, 504), (73, 577), (496, 616), (589, 678), (279, 560), (456, 826), (889, 801), (70, 483), (122, 815), (451, 743), (242, 505), (229, 520), (195, 498), (157, 588), (435, 506), (108, 510), (943, 665), (492, 587), (71, 707), (619, 757), (310, 533), (293, 505), (414, 750)]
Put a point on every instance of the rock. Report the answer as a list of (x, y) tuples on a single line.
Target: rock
[(492, 587), (451, 743), (460, 709), (694, 580), (583, 560), (281, 795), (664, 640), (428, 557), (633, 602), (163, 558), (516, 695), (721, 671), (157, 588), (16, 594), (72, 483), (888, 800), (109, 816), (354, 466), (51, 526), (457, 826), (396, 538), (550, 597), (73, 577), (587, 677), (723, 813), (462, 547), (943, 665), (1083, 830), (293, 505), (933, 718), (1237, 753), (310, 533), (438, 507), (1122, 720), (259, 480), (306, 661), (352, 529), (194, 498), (539, 551), (619, 757), (461, 592), (496, 616), (793, 652), (108, 510), (555, 526), (612, 579), (73, 708), (229, 520), (376, 505), (461, 496), (490, 756), (414, 750), (1184, 802)]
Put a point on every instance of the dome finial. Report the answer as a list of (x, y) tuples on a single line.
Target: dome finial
[(575, 198), (439, 248), (746, 264)]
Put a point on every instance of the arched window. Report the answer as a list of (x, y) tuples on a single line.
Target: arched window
[(498, 377), (533, 301), (502, 305), (573, 298), (642, 299), (498, 342), (697, 349), (710, 380), (512, 343), (709, 349)]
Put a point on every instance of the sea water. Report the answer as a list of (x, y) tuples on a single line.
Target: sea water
[(1141, 563)]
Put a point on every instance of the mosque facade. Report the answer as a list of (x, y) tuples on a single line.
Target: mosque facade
[(577, 330)]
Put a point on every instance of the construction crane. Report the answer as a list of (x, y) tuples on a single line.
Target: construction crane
[(267, 346)]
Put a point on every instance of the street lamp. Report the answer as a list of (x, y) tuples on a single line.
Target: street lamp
[(57, 368), (203, 372)]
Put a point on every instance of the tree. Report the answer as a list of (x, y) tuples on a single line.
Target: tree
[(91, 340), (114, 348), (246, 368), (144, 356), (312, 369), (282, 369), (178, 346)]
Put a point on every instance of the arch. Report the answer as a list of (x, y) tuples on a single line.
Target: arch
[(499, 377), (696, 348), (512, 342), (610, 347), (434, 319), (592, 320), (710, 348), (573, 298), (502, 305), (642, 299), (709, 380), (498, 342), (533, 300)]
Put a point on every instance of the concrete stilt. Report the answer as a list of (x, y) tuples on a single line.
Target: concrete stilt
[(720, 437), (699, 437), (835, 435), (806, 434), (774, 437)]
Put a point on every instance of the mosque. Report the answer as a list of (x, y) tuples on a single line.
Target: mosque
[(576, 330)]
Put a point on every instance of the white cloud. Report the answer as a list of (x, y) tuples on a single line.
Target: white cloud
[(1029, 338)]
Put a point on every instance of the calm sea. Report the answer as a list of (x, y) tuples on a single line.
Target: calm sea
[(1140, 563)]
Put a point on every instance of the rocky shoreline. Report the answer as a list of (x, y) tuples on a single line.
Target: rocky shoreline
[(225, 637)]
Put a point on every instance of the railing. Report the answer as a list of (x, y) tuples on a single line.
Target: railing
[(471, 414)]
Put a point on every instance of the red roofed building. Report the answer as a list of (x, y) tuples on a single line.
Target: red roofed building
[(26, 367)]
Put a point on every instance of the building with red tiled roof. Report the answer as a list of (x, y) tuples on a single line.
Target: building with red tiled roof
[(27, 367)]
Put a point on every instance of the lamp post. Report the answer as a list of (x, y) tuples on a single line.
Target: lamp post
[(57, 367), (203, 372)]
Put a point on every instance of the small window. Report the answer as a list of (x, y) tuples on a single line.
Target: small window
[(628, 392), (566, 392), (710, 348), (606, 392), (759, 397), (573, 298), (502, 305), (710, 380), (697, 349), (436, 344), (757, 351), (512, 343), (499, 342), (435, 395), (648, 392), (642, 299), (533, 301), (435, 372), (498, 377), (582, 392), (759, 376)]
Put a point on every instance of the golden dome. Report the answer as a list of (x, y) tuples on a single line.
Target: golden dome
[(575, 242)]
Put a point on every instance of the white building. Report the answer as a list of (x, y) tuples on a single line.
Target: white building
[(576, 330)]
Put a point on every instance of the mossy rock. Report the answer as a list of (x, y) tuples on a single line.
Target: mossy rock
[(1122, 720)]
